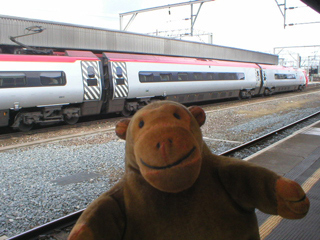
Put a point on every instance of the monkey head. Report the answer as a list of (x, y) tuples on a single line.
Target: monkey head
[(164, 143)]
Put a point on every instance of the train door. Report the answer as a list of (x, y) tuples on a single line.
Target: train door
[(259, 80), (120, 80), (91, 78)]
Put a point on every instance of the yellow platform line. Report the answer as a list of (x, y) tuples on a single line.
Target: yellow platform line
[(272, 222)]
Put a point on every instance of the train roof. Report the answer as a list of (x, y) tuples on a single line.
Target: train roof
[(42, 58), (277, 67), (143, 58)]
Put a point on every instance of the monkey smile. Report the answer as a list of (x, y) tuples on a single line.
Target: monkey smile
[(170, 165)]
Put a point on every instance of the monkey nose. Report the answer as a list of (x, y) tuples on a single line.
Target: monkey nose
[(164, 148), (164, 143)]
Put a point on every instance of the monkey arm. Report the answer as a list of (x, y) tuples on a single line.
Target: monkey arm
[(103, 219), (292, 200), (253, 186)]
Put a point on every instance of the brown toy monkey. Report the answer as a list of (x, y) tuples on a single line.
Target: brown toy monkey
[(175, 188)]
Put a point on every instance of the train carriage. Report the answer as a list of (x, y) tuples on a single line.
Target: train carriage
[(63, 87), (139, 79), (281, 79), (43, 89)]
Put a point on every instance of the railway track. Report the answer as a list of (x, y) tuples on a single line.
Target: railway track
[(6, 133), (47, 231), (56, 138), (262, 139), (73, 131)]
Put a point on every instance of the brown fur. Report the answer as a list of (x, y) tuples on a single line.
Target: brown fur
[(175, 188)]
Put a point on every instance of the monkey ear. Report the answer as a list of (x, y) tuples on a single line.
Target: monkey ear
[(198, 114), (121, 128)]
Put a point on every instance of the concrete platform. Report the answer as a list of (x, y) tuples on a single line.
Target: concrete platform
[(296, 157)]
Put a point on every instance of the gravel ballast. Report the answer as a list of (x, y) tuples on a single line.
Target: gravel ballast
[(44, 182)]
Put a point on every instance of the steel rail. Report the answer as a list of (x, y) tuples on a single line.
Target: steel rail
[(58, 138), (256, 140), (70, 219), (59, 223)]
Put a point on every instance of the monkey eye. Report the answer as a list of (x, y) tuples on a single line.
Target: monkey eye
[(177, 116), (141, 124)]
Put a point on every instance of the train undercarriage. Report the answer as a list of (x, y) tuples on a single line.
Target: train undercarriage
[(26, 120)]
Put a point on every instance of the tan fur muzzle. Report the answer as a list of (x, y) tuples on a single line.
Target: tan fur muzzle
[(173, 160)]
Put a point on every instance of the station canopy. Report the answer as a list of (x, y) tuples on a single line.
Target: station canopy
[(314, 4)]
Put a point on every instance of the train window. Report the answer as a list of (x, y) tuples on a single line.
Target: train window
[(146, 77), (119, 72), (120, 81), (91, 72), (264, 75), (92, 82), (210, 76), (229, 76), (185, 76), (279, 76), (52, 78), (219, 76), (222, 76), (165, 76), (197, 76), (182, 76), (241, 76), (291, 76), (284, 76), (8, 80)]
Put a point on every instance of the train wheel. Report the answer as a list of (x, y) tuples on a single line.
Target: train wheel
[(300, 88), (244, 94), (126, 113), (24, 127), (267, 92), (71, 121)]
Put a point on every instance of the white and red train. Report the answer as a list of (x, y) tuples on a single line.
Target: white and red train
[(42, 89)]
